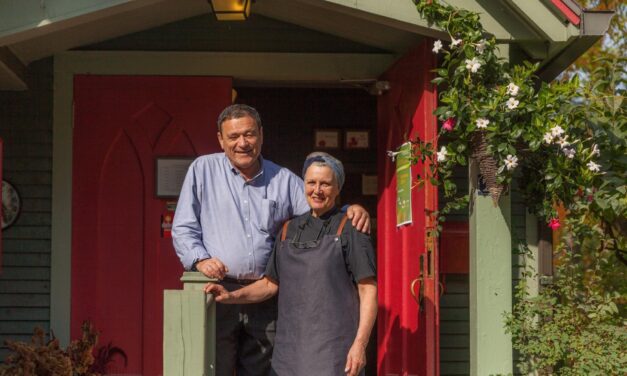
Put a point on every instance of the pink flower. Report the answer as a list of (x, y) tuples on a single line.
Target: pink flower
[(449, 124), (554, 223)]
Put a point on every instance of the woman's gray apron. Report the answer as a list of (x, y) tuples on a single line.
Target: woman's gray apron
[(318, 308)]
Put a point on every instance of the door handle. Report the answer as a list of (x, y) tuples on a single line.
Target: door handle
[(419, 297)]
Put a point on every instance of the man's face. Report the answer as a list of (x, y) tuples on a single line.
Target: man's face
[(321, 189), (241, 141)]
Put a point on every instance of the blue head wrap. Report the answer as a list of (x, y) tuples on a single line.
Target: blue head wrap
[(328, 160)]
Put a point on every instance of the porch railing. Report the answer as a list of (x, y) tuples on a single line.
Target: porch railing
[(189, 329)]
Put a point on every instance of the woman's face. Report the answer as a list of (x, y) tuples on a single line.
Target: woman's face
[(321, 189)]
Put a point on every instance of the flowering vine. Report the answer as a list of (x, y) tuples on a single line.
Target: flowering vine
[(495, 113), (565, 143)]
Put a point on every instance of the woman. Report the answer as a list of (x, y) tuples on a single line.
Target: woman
[(326, 273)]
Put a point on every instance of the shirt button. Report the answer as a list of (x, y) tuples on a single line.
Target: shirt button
[(250, 254), (245, 219), (245, 202), (248, 235)]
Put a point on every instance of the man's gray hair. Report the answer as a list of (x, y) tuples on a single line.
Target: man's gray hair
[(320, 158), (237, 111)]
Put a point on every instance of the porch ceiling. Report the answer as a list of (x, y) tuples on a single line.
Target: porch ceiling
[(36, 29)]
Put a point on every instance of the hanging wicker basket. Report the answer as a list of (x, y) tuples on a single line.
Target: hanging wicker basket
[(488, 166)]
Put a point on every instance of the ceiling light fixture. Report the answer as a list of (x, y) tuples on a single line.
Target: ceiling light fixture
[(230, 10)]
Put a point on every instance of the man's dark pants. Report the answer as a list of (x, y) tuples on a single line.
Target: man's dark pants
[(244, 336)]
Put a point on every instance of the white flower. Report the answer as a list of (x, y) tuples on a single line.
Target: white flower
[(512, 89), (442, 154), (512, 103), (548, 137), (455, 42), (392, 154), (557, 131), (437, 46), (595, 150), (511, 161), (593, 166), (473, 65), (562, 142), (482, 123), (480, 47), (569, 152)]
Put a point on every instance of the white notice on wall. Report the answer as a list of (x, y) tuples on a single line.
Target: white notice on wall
[(170, 175)]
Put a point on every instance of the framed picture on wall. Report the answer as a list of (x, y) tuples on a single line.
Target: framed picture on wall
[(357, 139), (170, 173), (326, 138)]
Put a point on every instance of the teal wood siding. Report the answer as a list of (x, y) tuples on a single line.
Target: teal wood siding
[(26, 128)]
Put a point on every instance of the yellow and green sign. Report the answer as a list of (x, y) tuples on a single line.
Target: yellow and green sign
[(403, 185)]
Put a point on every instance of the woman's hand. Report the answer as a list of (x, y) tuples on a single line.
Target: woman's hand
[(259, 291), (218, 291), (356, 359)]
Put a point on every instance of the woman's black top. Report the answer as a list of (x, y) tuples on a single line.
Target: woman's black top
[(359, 255)]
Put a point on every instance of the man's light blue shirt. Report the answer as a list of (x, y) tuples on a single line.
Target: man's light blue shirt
[(219, 214)]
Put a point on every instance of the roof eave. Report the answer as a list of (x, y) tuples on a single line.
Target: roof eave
[(593, 26)]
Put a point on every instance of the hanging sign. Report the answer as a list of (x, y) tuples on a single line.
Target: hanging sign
[(403, 185)]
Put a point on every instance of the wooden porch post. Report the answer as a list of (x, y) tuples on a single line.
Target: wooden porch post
[(490, 282), (189, 329)]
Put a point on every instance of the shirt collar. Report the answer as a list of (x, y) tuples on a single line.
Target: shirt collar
[(326, 215), (237, 173)]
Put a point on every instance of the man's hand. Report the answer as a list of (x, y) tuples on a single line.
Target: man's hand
[(356, 359), (218, 291), (360, 218), (212, 268)]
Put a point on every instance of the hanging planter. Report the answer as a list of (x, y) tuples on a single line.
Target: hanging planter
[(496, 114), (488, 165)]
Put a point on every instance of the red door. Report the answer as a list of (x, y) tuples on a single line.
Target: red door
[(407, 325), (120, 262)]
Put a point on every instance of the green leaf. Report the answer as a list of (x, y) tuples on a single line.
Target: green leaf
[(441, 110), (438, 80)]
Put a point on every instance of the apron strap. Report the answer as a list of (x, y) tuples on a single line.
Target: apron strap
[(339, 229), (284, 234)]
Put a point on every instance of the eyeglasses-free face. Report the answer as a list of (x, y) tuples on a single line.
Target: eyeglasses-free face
[(241, 139), (321, 189)]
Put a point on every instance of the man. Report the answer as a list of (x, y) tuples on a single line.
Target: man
[(230, 209)]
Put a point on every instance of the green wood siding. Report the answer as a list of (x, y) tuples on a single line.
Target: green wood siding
[(454, 304), (454, 326), (26, 128)]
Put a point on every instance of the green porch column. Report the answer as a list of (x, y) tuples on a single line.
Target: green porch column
[(189, 329), (490, 283)]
